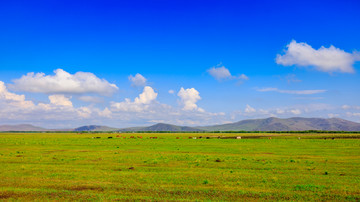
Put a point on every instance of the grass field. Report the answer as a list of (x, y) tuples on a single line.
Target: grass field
[(45, 166)]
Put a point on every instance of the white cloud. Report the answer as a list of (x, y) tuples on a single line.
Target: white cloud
[(249, 109), (84, 112), (92, 99), (13, 99), (105, 113), (353, 114), (189, 114), (5, 94), (347, 107), (15, 107), (295, 111), (171, 91), (280, 111), (309, 110), (297, 92), (60, 100), (331, 115), (189, 97), (128, 106), (243, 77), (140, 103), (148, 95), (137, 80), (63, 83), (324, 59), (158, 112), (222, 73)]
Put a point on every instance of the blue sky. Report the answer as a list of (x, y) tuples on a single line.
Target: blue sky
[(234, 60)]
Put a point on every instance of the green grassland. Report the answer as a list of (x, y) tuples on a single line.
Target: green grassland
[(55, 166)]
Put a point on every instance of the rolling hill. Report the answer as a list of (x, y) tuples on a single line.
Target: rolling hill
[(162, 127), (21, 127), (268, 124), (95, 128), (290, 124)]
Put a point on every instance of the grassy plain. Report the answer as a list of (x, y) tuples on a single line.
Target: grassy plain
[(53, 166)]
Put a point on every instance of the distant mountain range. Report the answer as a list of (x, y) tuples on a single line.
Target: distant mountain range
[(268, 124), (21, 127), (95, 128), (290, 124), (162, 127)]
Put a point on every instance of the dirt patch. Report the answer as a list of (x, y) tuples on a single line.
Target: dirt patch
[(85, 187), (8, 194), (53, 151)]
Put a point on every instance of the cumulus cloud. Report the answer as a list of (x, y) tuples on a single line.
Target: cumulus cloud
[(280, 111), (84, 112), (6, 95), (140, 103), (222, 73), (189, 97), (243, 77), (137, 80), (147, 96), (331, 115), (295, 111), (59, 108), (60, 100), (92, 99), (171, 91), (249, 109), (63, 83), (128, 106), (308, 110), (105, 113), (297, 92), (59, 112), (188, 114), (16, 107), (347, 107), (354, 114), (13, 99), (323, 59)]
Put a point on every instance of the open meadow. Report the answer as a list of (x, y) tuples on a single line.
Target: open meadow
[(70, 166)]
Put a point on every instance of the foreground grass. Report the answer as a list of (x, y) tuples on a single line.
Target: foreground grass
[(77, 167)]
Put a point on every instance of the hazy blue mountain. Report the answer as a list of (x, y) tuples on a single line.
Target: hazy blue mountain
[(162, 127), (21, 127), (268, 124), (95, 128), (290, 124)]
